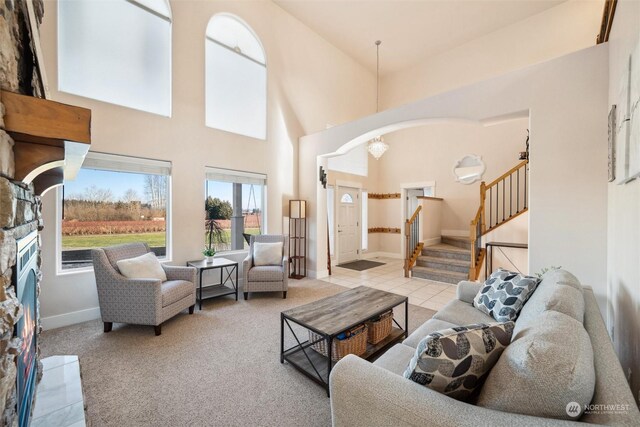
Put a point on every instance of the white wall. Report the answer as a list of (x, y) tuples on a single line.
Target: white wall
[(563, 29), (567, 102), (428, 153), (514, 259), (623, 272), (355, 162), (304, 93)]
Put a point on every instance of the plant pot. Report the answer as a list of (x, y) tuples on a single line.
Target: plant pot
[(208, 259)]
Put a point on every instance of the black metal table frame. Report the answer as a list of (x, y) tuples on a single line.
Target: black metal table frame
[(488, 264), (223, 269), (303, 346)]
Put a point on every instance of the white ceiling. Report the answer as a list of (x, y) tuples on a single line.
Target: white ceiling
[(410, 30)]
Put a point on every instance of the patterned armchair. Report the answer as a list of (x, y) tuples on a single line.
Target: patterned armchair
[(140, 301), (267, 278)]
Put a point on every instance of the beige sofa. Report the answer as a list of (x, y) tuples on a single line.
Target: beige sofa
[(376, 394)]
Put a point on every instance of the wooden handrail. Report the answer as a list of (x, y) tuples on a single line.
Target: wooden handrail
[(478, 225), (507, 173), (415, 215), (412, 249)]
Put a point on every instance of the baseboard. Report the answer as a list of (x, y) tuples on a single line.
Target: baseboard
[(370, 255), (433, 241), (455, 233), (60, 320), (321, 274)]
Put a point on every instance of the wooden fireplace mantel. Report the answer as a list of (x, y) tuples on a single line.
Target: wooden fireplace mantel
[(51, 139)]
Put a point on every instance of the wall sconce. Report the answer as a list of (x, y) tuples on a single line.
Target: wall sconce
[(323, 177)]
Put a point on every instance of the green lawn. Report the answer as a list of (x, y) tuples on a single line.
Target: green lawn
[(101, 240)]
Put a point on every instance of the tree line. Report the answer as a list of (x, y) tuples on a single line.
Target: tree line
[(99, 204)]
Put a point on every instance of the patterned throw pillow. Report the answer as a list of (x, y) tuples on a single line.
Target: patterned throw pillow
[(504, 293), (454, 361)]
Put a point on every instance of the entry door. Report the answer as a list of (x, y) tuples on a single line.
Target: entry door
[(348, 214)]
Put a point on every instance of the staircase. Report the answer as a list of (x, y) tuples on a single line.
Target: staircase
[(447, 262), (459, 258)]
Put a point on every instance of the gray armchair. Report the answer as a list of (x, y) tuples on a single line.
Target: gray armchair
[(140, 301), (267, 278)]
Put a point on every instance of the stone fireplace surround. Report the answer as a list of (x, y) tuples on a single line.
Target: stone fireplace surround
[(20, 212)]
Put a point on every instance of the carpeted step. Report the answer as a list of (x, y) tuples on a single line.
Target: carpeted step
[(457, 241), (447, 252), (438, 275), (446, 264)]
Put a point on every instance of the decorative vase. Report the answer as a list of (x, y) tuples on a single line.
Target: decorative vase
[(208, 259)]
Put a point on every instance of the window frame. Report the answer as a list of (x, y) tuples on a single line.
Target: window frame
[(264, 65), (238, 173), (168, 258)]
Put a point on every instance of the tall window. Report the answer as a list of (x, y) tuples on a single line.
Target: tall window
[(235, 202), (116, 51), (236, 78), (114, 200)]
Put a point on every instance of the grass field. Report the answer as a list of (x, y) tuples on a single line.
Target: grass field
[(152, 239)]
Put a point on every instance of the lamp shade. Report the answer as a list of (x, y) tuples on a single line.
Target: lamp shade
[(297, 209)]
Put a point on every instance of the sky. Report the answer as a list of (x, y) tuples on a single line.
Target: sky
[(120, 182)]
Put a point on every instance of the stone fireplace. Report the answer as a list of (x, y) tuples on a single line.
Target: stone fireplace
[(35, 139), (19, 212)]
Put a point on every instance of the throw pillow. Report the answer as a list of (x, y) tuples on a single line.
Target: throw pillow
[(454, 361), (548, 366), (267, 253), (504, 293), (144, 266)]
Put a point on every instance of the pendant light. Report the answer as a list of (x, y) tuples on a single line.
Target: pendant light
[(377, 146)]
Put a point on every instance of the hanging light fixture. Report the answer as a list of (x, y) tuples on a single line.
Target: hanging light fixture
[(377, 146)]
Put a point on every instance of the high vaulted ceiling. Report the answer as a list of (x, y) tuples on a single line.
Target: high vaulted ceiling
[(410, 30)]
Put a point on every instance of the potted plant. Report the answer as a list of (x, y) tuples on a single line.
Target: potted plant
[(214, 234)]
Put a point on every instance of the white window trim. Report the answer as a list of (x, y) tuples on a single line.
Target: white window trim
[(168, 258)]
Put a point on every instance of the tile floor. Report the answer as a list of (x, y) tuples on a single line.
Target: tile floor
[(390, 277)]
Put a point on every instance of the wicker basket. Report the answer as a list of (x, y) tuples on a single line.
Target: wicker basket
[(356, 343), (381, 328)]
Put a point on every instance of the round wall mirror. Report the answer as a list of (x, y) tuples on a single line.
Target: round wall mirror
[(469, 169)]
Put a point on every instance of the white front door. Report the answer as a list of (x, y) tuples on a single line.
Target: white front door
[(348, 214)]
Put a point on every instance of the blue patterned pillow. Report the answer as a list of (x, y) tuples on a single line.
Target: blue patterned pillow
[(504, 293)]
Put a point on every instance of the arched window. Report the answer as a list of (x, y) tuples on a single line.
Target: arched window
[(116, 51), (346, 198), (236, 78)]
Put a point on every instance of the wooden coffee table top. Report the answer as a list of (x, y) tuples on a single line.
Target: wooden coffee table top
[(342, 311)]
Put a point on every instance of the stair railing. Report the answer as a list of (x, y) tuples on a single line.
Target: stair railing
[(507, 195), (412, 238), (502, 200), (476, 242)]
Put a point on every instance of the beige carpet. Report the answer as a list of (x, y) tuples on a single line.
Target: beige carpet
[(218, 367)]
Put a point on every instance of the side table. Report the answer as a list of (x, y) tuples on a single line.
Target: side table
[(227, 268)]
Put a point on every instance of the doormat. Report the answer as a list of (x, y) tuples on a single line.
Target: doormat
[(361, 265)]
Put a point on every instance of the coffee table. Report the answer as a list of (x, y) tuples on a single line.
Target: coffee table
[(329, 317)]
